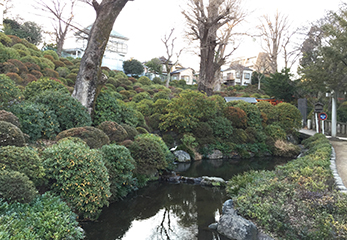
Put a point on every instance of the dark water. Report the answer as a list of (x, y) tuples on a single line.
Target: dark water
[(173, 211)]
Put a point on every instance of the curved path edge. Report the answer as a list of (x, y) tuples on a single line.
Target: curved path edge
[(339, 183)]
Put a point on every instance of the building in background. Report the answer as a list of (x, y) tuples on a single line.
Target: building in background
[(115, 52)]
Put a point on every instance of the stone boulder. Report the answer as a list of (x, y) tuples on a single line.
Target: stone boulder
[(216, 154), (182, 156), (10, 135), (213, 181), (234, 226)]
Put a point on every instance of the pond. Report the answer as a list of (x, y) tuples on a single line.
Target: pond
[(173, 211)]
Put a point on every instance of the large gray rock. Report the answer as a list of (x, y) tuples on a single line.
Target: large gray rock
[(182, 156), (213, 181), (234, 226), (216, 154)]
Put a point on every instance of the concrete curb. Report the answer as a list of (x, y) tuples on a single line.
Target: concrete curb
[(340, 186)]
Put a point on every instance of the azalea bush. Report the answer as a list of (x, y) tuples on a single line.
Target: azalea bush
[(78, 175), (46, 217), (297, 200)]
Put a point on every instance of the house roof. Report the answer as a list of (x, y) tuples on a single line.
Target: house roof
[(246, 99), (179, 70), (235, 68), (112, 34)]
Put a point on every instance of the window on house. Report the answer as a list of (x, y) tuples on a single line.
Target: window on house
[(247, 75), (237, 75)]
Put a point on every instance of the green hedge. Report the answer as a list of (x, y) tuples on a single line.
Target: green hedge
[(46, 217), (297, 200)]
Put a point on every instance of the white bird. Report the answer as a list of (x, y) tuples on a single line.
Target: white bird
[(173, 149)]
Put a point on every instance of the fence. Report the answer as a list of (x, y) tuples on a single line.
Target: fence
[(341, 128)]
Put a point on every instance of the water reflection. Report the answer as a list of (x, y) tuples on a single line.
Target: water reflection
[(164, 211), (227, 168), (161, 211)]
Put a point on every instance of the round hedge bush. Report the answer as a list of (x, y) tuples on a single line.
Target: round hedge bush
[(144, 80), (141, 96), (222, 127), (114, 131), (24, 160), (131, 131), (275, 132), (69, 111), (94, 137), (252, 112), (9, 117), (79, 176), (120, 165), (35, 88), (52, 218), (10, 135), (289, 117), (149, 156), (16, 187), (9, 92), (36, 120), (237, 116)]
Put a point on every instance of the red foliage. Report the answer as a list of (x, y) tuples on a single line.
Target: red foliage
[(14, 39), (237, 116), (29, 78), (138, 90), (21, 66), (51, 73), (49, 57), (16, 78), (32, 66), (8, 67), (132, 79), (36, 73)]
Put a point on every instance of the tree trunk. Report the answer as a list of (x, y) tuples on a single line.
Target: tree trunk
[(89, 80)]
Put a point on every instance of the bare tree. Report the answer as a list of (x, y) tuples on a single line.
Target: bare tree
[(90, 79), (272, 33), (262, 66), (169, 45), (213, 25), (62, 18)]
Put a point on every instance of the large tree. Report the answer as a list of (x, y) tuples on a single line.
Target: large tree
[(90, 78), (213, 26), (30, 31), (133, 67), (62, 14), (272, 31)]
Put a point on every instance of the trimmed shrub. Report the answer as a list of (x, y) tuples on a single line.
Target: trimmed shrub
[(186, 111), (114, 131), (106, 109), (16, 187), (120, 165), (8, 67), (239, 136), (21, 49), (9, 117), (141, 130), (7, 53), (204, 134), (35, 88), (36, 73), (161, 95), (160, 105), (222, 127), (253, 114), (24, 160), (289, 117), (63, 71), (268, 109), (16, 79), (275, 132), (149, 156), (32, 66), (237, 116), (51, 217), (70, 112), (131, 131), (10, 135), (21, 66), (153, 121), (5, 40), (36, 120), (50, 73), (94, 137), (51, 53), (141, 96), (9, 92), (79, 176), (144, 80), (145, 107)]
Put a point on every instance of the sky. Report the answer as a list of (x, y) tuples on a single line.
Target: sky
[(146, 22)]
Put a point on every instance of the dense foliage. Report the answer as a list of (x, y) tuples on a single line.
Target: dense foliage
[(78, 175), (297, 200), (46, 217)]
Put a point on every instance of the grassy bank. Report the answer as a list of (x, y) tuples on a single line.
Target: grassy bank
[(297, 200)]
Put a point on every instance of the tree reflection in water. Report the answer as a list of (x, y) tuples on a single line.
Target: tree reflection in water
[(161, 211)]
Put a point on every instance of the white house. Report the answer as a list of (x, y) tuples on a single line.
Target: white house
[(186, 74), (237, 74), (115, 51)]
